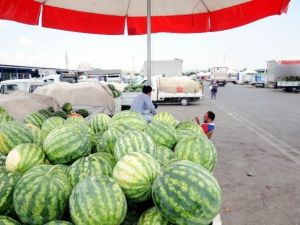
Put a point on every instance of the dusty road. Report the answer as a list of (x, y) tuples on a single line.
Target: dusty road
[(258, 141)]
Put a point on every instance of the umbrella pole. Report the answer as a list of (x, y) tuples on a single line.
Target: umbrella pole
[(149, 42)]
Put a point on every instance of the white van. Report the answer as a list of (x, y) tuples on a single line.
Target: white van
[(26, 85)]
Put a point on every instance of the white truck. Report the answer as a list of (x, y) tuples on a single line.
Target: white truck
[(280, 70), (29, 85), (181, 90), (219, 74)]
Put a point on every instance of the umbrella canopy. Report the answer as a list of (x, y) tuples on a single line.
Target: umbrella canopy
[(140, 16), (111, 16)]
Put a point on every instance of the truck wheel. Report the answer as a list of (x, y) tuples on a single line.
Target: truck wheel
[(184, 101)]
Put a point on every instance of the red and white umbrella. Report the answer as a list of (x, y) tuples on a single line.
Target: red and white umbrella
[(111, 16)]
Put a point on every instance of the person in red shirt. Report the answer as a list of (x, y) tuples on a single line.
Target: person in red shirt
[(208, 125)]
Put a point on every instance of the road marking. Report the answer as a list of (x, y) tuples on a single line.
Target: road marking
[(265, 136)]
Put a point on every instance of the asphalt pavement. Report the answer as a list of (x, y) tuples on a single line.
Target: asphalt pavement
[(257, 137)]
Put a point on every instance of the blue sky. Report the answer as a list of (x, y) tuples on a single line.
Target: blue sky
[(276, 37)]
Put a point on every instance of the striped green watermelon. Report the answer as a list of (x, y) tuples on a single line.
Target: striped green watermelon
[(187, 133), (37, 134), (101, 163), (2, 110), (42, 194), (162, 134), (12, 134), (187, 194), (130, 119), (134, 141), (153, 217), (52, 123), (97, 142), (47, 113), (75, 119), (61, 114), (23, 157), (100, 122), (83, 112), (135, 173), (58, 222), (67, 143), (8, 181), (5, 220), (164, 155), (5, 118), (166, 118), (97, 200), (199, 150), (35, 118), (2, 159), (110, 137), (67, 107), (190, 125)]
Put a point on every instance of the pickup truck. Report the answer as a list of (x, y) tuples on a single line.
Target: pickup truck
[(161, 94)]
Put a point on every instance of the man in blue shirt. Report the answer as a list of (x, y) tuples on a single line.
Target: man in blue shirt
[(143, 104)]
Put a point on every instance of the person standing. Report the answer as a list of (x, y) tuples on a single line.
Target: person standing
[(143, 104), (214, 89)]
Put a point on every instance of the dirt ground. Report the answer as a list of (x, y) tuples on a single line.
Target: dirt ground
[(258, 141)]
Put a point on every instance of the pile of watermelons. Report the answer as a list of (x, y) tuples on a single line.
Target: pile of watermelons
[(106, 170), (116, 93), (134, 88)]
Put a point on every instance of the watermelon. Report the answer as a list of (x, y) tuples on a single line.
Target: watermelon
[(37, 134), (186, 133), (23, 157), (110, 137), (164, 155), (61, 114), (5, 118), (162, 134), (67, 108), (93, 165), (129, 119), (152, 217), (75, 119), (197, 149), (190, 125), (58, 222), (12, 134), (187, 194), (8, 181), (35, 118), (2, 110), (67, 143), (83, 112), (100, 122), (2, 160), (42, 194), (97, 200), (134, 141), (111, 87), (45, 113), (97, 142), (5, 220), (135, 173), (52, 123), (166, 118)]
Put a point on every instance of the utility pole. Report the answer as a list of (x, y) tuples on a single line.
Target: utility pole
[(67, 60)]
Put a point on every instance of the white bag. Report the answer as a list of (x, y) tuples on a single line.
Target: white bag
[(210, 87)]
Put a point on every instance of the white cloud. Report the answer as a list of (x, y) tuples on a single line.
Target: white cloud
[(24, 41)]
